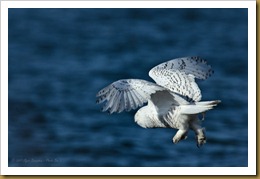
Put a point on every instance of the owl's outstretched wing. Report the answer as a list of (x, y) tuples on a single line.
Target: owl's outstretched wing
[(177, 82), (126, 94), (178, 75), (195, 66)]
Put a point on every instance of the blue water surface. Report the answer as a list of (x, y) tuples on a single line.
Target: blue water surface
[(60, 58)]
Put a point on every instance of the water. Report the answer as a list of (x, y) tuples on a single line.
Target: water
[(60, 58)]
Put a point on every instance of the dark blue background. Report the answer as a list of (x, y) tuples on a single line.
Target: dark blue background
[(60, 58)]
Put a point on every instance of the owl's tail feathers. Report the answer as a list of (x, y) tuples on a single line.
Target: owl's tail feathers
[(199, 107)]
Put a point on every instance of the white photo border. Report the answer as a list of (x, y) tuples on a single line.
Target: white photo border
[(250, 170)]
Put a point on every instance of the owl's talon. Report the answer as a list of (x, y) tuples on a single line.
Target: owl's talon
[(180, 135), (201, 142), (201, 138)]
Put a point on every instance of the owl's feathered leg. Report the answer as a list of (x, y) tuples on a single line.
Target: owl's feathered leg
[(180, 135), (203, 116), (200, 133)]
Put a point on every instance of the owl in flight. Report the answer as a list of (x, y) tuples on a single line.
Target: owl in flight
[(172, 102)]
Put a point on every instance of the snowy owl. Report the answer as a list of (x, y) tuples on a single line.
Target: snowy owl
[(173, 102)]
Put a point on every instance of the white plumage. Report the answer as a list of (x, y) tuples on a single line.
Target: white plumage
[(174, 101)]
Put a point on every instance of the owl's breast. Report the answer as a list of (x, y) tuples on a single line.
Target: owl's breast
[(149, 117)]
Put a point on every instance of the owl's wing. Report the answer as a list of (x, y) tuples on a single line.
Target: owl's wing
[(177, 82), (189, 65), (126, 94), (178, 75)]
